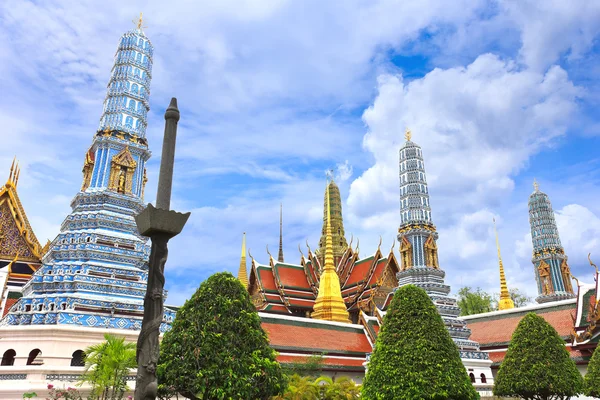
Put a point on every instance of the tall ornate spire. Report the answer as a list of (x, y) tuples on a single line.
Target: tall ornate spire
[(330, 305), (127, 104), (332, 194), (549, 260), (99, 238), (419, 256), (280, 255), (505, 302), (242, 272), (417, 234)]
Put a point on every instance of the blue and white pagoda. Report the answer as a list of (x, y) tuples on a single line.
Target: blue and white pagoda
[(96, 270), (552, 273), (419, 253)]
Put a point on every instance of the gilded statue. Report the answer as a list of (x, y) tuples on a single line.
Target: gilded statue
[(121, 182)]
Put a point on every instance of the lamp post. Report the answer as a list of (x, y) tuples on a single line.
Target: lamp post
[(159, 224)]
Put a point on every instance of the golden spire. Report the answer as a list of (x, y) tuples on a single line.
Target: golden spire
[(505, 302), (536, 186), (408, 134), (330, 305), (242, 272), (12, 167), (139, 22)]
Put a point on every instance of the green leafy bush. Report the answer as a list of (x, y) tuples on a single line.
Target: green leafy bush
[(414, 355), (217, 349), (592, 378), (537, 364), (321, 388)]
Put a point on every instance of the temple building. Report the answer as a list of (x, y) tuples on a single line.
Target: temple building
[(324, 305), (20, 251), (575, 316), (552, 272), (302, 305), (417, 236), (94, 274)]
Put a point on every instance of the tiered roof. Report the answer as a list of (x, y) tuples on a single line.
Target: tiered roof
[(287, 288), (20, 251)]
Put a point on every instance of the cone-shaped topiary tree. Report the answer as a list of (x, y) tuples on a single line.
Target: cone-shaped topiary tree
[(414, 356), (592, 378), (537, 364), (217, 349)]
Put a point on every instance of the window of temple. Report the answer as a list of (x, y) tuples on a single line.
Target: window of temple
[(27, 307), (8, 358), (134, 88), (40, 307), (129, 122), (78, 359), (33, 354), (472, 376), (483, 378)]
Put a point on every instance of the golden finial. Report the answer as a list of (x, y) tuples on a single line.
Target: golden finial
[(12, 167), (393, 245), (408, 134), (139, 22), (242, 272), (379, 245), (329, 304), (592, 264), (300, 250), (17, 174), (309, 252), (536, 186), (505, 302)]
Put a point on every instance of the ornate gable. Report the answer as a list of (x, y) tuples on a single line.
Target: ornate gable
[(16, 235)]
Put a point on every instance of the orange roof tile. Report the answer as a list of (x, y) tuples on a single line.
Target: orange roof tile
[(359, 272), (291, 276)]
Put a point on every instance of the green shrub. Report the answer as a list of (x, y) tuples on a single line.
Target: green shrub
[(414, 355), (537, 364), (592, 378), (217, 348)]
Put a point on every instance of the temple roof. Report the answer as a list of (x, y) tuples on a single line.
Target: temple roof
[(281, 287), (17, 240), (343, 346)]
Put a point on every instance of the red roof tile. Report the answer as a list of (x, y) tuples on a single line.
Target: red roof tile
[(265, 275), (291, 276), (490, 332), (359, 272), (303, 334), (8, 305)]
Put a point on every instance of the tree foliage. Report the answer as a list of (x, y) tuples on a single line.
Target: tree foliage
[(592, 378), (414, 355), (474, 302), (217, 349), (479, 301), (312, 366), (321, 388), (107, 366), (537, 365)]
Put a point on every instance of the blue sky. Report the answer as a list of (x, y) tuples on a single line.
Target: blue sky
[(274, 93)]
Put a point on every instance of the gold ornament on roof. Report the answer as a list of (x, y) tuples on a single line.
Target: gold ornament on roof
[(139, 22), (536, 185), (408, 134), (329, 304), (505, 302)]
